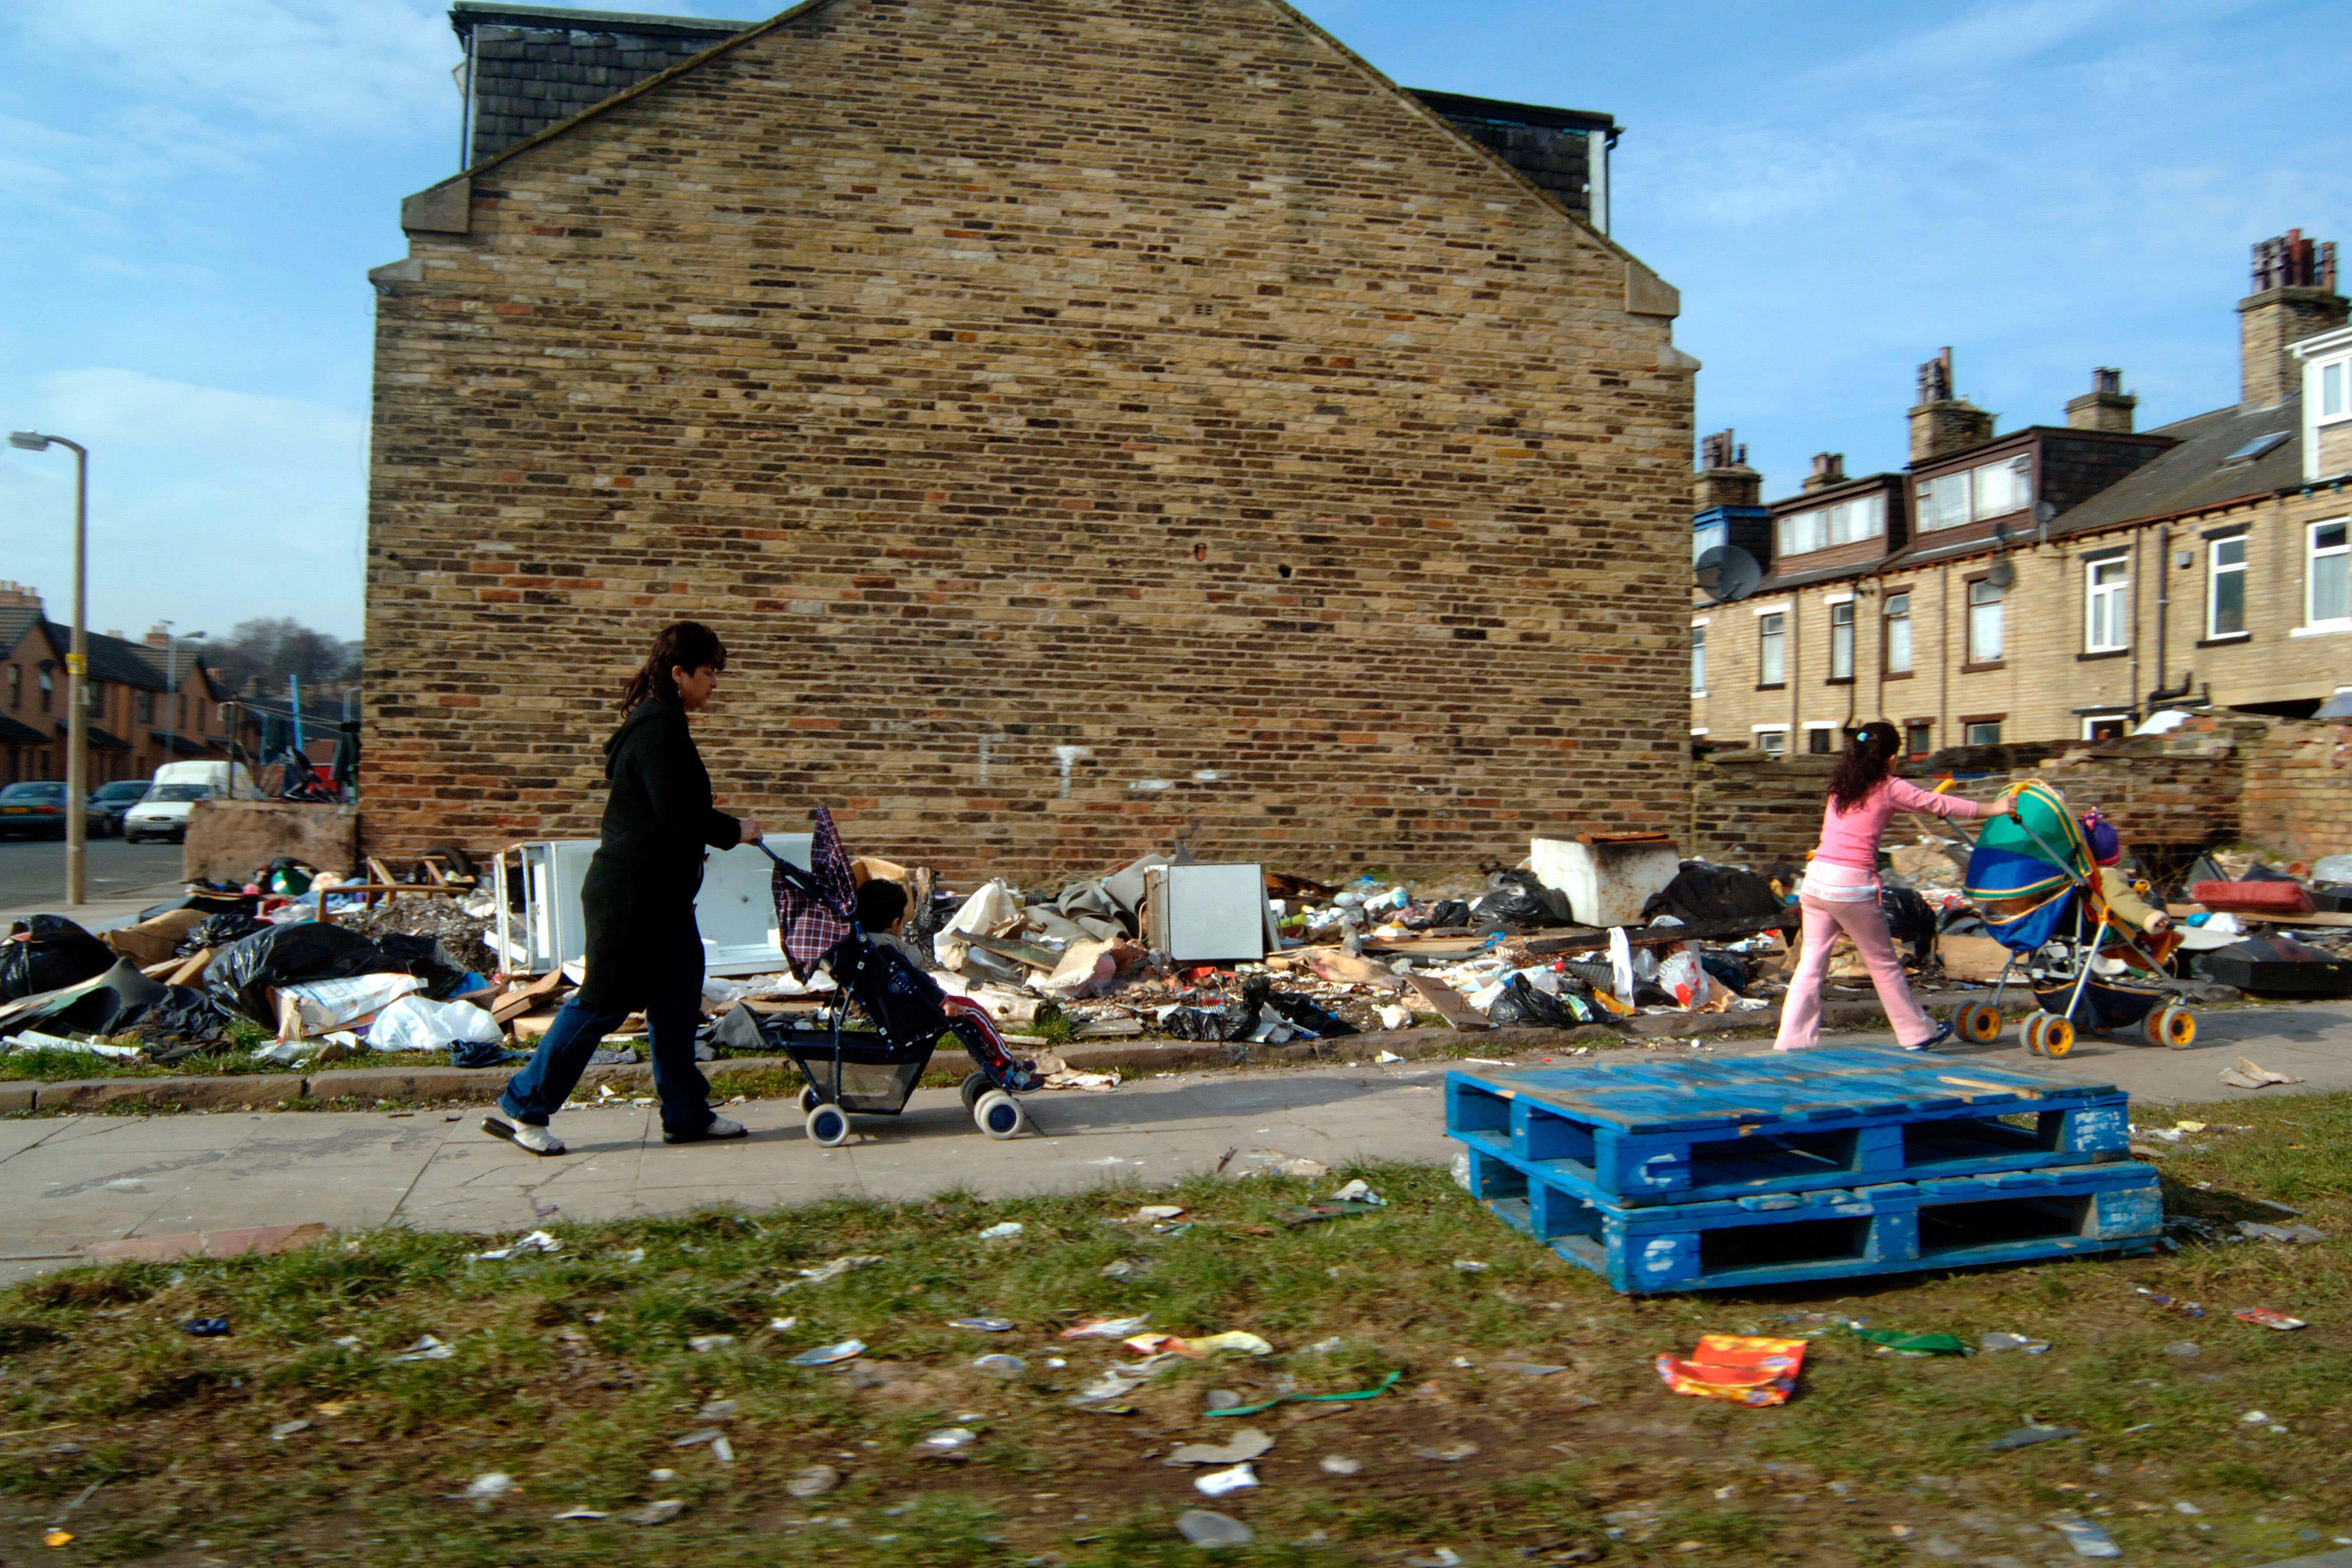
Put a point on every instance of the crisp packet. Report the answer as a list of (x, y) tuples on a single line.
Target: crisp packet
[(1743, 1371), (2265, 1318)]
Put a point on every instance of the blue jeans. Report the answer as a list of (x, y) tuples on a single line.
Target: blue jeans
[(673, 1012)]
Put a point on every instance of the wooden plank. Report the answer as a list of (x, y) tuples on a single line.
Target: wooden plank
[(192, 968), (514, 1004), (1451, 1004), (1581, 937)]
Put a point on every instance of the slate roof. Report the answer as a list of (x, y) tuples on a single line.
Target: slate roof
[(535, 66), (13, 734), (118, 660), (2194, 475), (15, 620)]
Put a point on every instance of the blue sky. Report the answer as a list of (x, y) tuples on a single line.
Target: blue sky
[(191, 192)]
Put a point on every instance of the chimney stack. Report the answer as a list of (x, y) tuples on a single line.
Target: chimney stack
[(16, 596), (1941, 421), (2294, 298), (1829, 468), (2106, 406), (1724, 477)]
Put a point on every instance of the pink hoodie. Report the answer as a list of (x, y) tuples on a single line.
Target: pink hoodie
[(1850, 838)]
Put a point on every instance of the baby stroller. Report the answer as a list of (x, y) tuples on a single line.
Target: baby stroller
[(2035, 881), (872, 1071)]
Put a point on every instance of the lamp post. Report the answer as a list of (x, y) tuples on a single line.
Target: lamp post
[(77, 665)]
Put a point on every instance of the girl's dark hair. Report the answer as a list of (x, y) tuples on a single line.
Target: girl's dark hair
[(689, 645), (1869, 758)]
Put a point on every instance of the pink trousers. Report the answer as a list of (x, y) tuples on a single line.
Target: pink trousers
[(1801, 1012)]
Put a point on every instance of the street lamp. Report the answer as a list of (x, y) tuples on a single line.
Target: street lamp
[(76, 663), (172, 686)]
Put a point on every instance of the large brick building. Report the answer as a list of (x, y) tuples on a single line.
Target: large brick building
[(2056, 582), (1092, 423)]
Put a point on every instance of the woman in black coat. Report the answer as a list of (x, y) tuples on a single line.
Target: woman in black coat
[(643, 950)]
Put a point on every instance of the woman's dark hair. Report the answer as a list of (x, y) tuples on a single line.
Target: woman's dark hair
[(1869, 758), (880, 901), (689, 645)]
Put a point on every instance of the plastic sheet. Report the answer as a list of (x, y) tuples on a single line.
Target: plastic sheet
[(219, 930), (420, 1024), (49, 953), (243, 974)]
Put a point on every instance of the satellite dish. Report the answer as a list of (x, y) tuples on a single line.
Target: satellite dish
[(2044, 511), (2002, 574), (1726, 574)]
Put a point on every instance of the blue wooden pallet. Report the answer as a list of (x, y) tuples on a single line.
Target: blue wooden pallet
[(1683, 1130), (1779, 1239), (1791, 1237)]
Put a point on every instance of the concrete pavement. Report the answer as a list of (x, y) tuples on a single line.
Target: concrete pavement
[(68, 1183)]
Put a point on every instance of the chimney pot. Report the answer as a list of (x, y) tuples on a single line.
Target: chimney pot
[(2294, 298), (1829, 468), (1942, 421), (2106, 406), (1724, 477)]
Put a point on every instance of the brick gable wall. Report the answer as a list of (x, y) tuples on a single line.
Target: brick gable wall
[(1091, 425)]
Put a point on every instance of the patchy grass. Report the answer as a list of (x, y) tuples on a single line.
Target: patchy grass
[(572, 1373)]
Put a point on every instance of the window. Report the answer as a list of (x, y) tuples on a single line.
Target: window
[(2106, 584), (1987, 490), (2225, 589), (1847, 523), (1842, 641), (183, 710), (146, 707), (1772, 649), (1898, 634), (15, 685), (1820, 740), (1983, 732), (1918, 738), (2328, 590), (2334, 394), (1775, 742), (1707, 535), (2106, 726), (1698, 661), (1984, 622), (48, 684)]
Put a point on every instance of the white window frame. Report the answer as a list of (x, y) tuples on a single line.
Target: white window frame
[(1706, 536), (1972, 486), (2091, 718), (2214, 572), (2118, 592), (1967, 733), (1836, 603), (1812, 727), (1999, 603), (2312, 553), (1911, 724), (1759, 731), (1698, 658), (1777, 636), (1886, 618)]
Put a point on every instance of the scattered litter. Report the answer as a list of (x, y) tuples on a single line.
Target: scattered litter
[(1470, 1266), (1443, 1557), (582, 1513), (351, 1342), (1245, 1446), (1529, 1368), (1001, 1365), (1008, 1228), (2262, 1317), (488, 1484), (2157, 1298), (826, 1355), (1359, 1191), (1265, 1162), (1218, 1399), (1917, 1344), (1336, 1465), (537, 1241), (1743, 1371), (284, 1429), (429, 1347), (2189, 1508), (1160, 1211), (1451, 1453), (1126, 1268), (1372, 1393), (2027, 1437), (948, 1443), (1993, 1343), (696, 1438), (2249, 1075), (716, 1410), (1389, 1055), (206, 1328), (2253, 1418), (1326, 1347), (1211, 1531), (703, 1344), (813, 1481), (2184, 1348), (836, 1269), (58, 1538), (1315, 1212), (1206, 1345), (1218, 1483), (660, 1513), (982, 1325), (1105, 1327), (1396, 1016), (2088, 1539), (2292, 1235)]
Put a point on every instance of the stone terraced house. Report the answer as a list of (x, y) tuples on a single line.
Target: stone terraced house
[(1093, 425)]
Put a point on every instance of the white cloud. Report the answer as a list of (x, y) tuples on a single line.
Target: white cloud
[(206, 505)]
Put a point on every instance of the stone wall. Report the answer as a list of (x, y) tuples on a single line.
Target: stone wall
[(229, 840), (2177, 789), (2297, 797), (1092, 424)]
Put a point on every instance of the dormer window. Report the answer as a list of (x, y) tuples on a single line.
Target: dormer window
[(1972, 495), (1821, 527)]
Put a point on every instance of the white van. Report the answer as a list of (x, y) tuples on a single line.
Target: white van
[(217, 775), (163, 813)]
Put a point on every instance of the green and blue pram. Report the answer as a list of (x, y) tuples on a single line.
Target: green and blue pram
[(2034, 878)]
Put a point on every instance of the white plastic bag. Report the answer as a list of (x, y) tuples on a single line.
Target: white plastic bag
[(421, 1024)]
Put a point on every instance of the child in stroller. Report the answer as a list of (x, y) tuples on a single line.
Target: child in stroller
[(872, 1071), (2044, 882)]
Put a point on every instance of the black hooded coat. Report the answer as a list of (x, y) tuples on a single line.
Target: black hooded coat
[(641, 882)]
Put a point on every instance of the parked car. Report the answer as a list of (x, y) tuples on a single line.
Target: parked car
[(36, 809), (118, 798), (164, 813)]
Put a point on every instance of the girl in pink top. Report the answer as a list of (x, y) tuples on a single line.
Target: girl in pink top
[(1841, 890)]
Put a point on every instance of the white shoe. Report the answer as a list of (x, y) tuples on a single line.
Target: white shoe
[(523, 1135), (720, 1127)]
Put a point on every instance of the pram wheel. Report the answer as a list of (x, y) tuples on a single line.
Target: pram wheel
[(828, 1126), (999, 1115), (974, 1086), (809, 1099), (2171, 1026), (1977, 1022), (2046, 1036)]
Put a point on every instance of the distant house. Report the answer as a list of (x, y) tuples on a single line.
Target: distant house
[(2054, 582), (147, 704)]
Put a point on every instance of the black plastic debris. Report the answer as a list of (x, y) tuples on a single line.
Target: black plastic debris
[(1703, 891), (1307, 1016), (243, 974), (218, 930), (49, 952), (1909, 918), (1522, 1005), (2277, 966), (1237, 1019), (206, 1328)]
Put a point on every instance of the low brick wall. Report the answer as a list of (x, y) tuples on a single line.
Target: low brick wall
[(2297, 796), (232, 840), (1748, 808), (2177, 789)]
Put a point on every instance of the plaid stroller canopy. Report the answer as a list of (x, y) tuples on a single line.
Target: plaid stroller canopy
[(811, 926)]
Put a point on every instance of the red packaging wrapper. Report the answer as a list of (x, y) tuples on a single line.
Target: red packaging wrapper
[(1742, 1371)]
